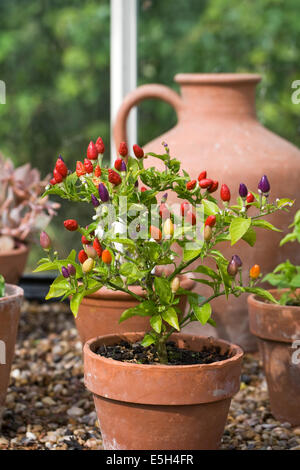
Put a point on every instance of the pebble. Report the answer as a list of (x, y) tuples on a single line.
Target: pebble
[(48, 407)]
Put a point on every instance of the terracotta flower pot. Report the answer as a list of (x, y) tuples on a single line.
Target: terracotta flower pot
[(100, 312), (13, 262), (277, 327), (9, 319), (218, 131), (155, 407)]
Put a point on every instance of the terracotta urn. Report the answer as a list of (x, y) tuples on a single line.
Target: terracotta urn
[(13, 262), (100, 312), (9, 319), (218, 131), (154, 407), (277, 328)]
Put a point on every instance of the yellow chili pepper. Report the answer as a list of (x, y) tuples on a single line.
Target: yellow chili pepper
[(175, 284), (207, 233), (88, 265), (168, 229)]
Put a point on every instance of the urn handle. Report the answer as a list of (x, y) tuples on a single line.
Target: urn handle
[(135, 97)]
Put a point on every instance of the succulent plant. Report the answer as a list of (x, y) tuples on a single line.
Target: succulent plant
[(22, 209)]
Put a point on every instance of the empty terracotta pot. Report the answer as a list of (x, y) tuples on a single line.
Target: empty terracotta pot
[(13, 262), (9, 319), (154, 407), (218, 131), (277, 328), (100, 312)]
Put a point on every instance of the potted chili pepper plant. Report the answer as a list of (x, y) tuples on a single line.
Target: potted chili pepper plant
[(10, 303), (178, 386), (277, 328)]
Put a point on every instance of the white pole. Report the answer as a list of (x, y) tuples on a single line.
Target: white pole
[(123, 63)]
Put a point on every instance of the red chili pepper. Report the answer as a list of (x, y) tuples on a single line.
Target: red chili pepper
[(92, 152), (100, 145), (211, 220), (57, 176), (71, 225), (191, 184), (225, 193), (114, 178), (202, 175), (123, 149), (214, 187), (52, 181), (250, 198), (118, 164), (106, 257), (82, 256), (97, 171), (191, 217), (138, 151), (205, 183), (143, 189), (61, 167), (84, 240), (97, 246), (80, 170), (88, 166), (184, 207)]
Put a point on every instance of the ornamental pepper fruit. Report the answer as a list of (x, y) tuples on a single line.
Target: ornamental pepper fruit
[(106, 257), (118, 164), (82, 256), (45, 240), (225, 193), (191, 185), (184, 208), (100, 146), (168, 228), (114, 178), (191, 217), (88, 265), (143, 189), (97, 171), (94, 201), (243, 191), (97, 246), (207, 233), (80, 170), (71, 225), (250, 198), (234, 265), (155, 233), (52, 181), (175, 284), (205, 183), (213, 187), (61, 167), (264, 185), (123, 149), (85, 241), (71, 269), (211, 220), (103, 193), (65, 272), (202, 175), (138, 151), (57, 176), (92, 152), (90, 251), (88, 166), (254, 271)]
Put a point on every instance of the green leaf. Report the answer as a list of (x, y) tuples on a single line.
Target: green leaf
[(210, 208), (296, 281), (265, 294), (250, 236), (76, 301), (290, 237), (285, 202), (163, 289), (156, 323), (202, 313), (238, 227), (170, 316), (265, 224), (206, 270), (58, 287), (148, 340), (205, 281), (144, 309)]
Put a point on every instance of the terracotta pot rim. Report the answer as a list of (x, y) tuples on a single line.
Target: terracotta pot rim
[(157, 384), (216, 78), (106, 293), (254, 300), (12, 293), (237, 350), (19, 250)]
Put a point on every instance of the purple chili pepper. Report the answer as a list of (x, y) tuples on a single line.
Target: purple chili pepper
[(65, 272), (164, 198), (237, 260), (123, 166), (103, 193), (264, 185), (71, 270), (95, 201), (243, 191), (136, 184)]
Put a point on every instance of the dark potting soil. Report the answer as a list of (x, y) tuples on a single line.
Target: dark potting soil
[(135, 353)]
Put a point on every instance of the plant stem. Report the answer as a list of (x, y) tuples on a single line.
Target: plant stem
[(162, 350)]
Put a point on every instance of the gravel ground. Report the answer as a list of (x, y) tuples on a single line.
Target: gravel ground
[(47, 406)]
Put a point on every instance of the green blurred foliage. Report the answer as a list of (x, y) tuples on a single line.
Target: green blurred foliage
[(54, 58)]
